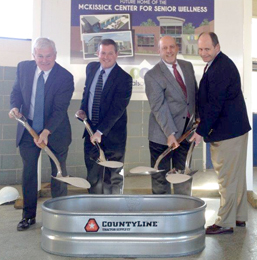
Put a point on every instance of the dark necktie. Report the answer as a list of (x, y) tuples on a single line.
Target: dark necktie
[(97, 98), (180, 82), (38, 119), (205, 68)]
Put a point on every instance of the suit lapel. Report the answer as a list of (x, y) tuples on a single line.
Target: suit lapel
[(30, 80), (173, 82), (91, 70), (210, 68), (110, 80), (90, 77), (51, 77)]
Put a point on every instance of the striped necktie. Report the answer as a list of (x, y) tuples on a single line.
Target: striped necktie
[(38, 119), (97, 98)]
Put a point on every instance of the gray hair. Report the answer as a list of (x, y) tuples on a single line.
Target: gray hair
[(43, 43)]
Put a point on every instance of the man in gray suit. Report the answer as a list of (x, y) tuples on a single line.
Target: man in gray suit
[(171, 89)]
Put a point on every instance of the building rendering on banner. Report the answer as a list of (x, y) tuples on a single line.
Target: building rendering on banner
[(134, 40), (146, 37), (94, 28)]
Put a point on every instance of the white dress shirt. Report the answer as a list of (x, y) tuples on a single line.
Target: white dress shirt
[(34, 89)]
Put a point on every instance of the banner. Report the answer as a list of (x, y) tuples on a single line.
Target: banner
[(137, 26)]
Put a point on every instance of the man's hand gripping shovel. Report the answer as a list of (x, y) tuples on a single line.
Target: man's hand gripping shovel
[(74, 181), (81, 115), (172, 176)]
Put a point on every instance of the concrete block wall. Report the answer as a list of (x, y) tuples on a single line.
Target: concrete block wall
[(137, 151), (10, 161)]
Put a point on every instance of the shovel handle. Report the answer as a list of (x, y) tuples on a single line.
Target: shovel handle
[(90, 132), (47, 150), (32, 132), (21, 119), (173, 147), (185, 135), (45, 147), (35, 136), (82, 117)]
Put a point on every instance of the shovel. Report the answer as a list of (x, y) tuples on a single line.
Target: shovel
[(188, 171), (143, 170), (74, 181), (175, 177), (81, 115)]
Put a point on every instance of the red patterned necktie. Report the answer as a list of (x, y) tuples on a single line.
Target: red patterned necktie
[(179, 79), (180, 82)]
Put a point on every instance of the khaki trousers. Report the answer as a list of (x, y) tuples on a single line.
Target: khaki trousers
[(229, 161)]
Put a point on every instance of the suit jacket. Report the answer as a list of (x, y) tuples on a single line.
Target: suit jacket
[(222, 107), (58, 92), (114, 100), (168, 104)]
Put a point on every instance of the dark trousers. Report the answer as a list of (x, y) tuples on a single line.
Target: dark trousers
[(104, 180), (159, 183), (30, 153)]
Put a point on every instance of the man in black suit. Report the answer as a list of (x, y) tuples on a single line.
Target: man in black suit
[(224, 123), (55, 129), (109, 120)]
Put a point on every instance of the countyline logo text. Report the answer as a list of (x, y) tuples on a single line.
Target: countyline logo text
[(129, 224), (126, 225)]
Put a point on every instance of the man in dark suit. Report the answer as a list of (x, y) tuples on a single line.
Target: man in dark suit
[(54, 128), (224, 123), (173, 110), (109, 120)]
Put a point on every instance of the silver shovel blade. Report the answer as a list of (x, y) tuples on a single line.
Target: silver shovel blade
[(81, 115), (111, 164), (144, 170), (177, 177), (74, 181)]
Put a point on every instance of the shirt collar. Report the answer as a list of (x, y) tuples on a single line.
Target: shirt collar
[(46, 73), (170, 65), (108, 70), (210, 62)]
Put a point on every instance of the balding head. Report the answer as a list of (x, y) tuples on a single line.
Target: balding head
[(168, 49), (208, 46)]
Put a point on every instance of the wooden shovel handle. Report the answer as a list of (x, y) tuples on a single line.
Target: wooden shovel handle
[(35, 136), (173, 147), (83, 118)]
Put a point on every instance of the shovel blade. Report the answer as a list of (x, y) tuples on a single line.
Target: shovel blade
[(74, 181), (174, 178), (144, 170), (191, 173), (111, 164)]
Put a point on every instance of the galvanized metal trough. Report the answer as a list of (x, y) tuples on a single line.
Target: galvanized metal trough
[(123, 225)]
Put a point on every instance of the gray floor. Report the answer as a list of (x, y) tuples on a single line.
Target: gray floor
[(242, 244)]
